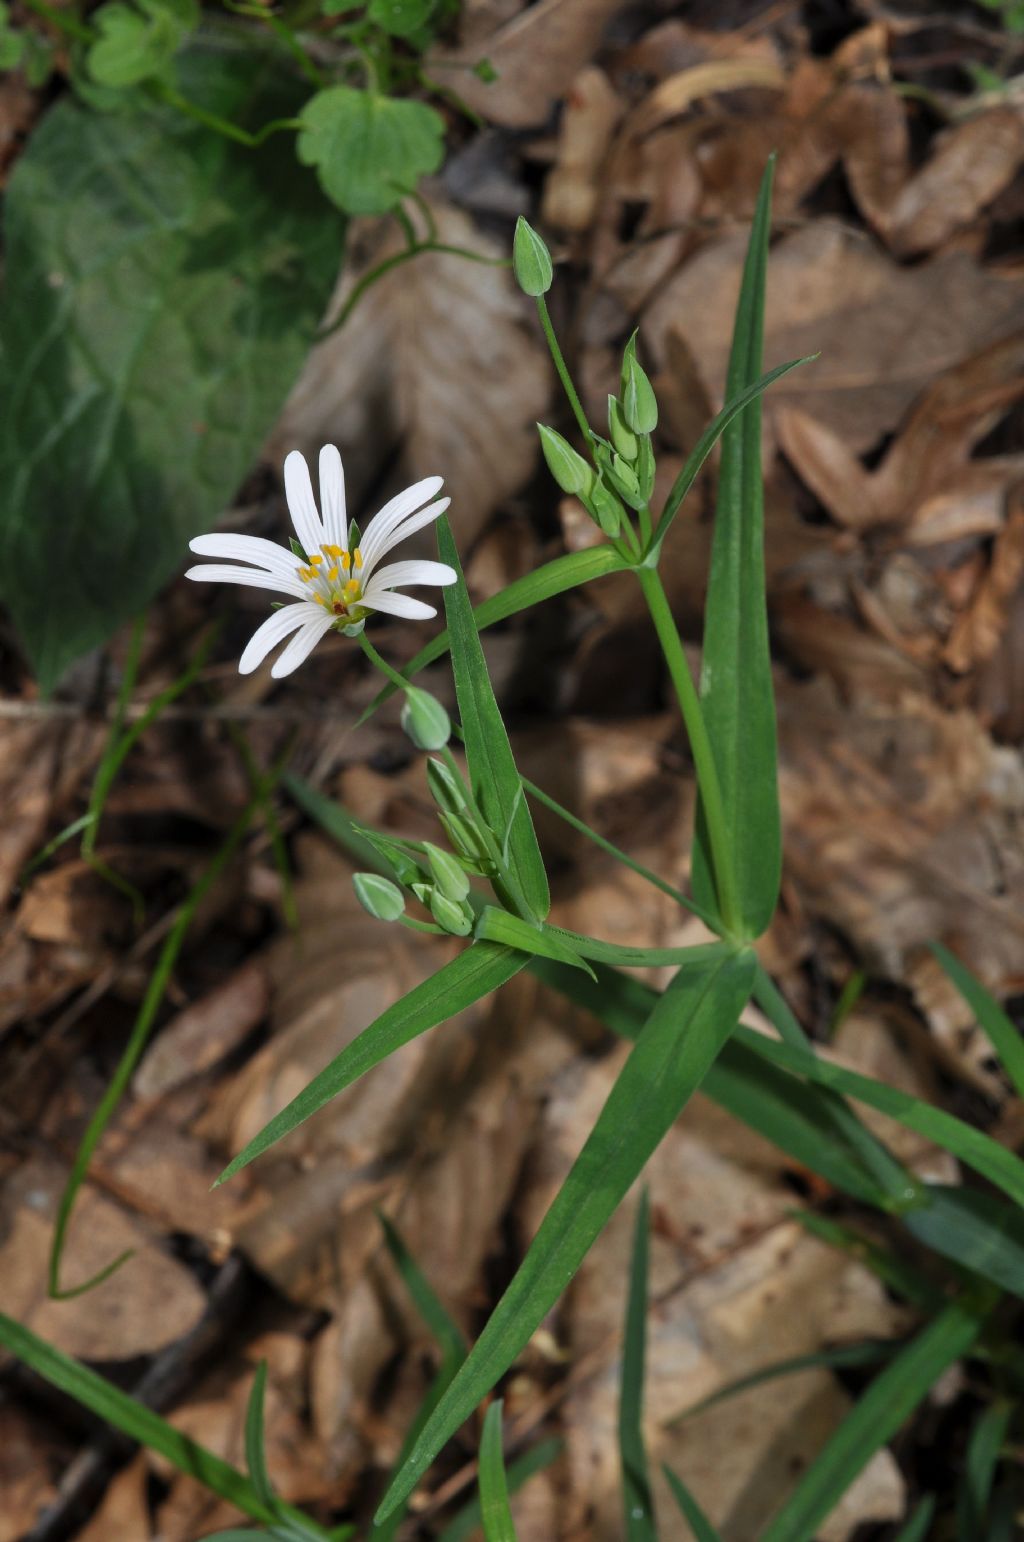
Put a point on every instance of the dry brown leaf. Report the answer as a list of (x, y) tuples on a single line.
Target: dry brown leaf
[(147, 1303), (205, 1032), (124, 1510), (977, 631), (40, 766), (572, 190), (534, 54), (441, 359), (27, 1472)]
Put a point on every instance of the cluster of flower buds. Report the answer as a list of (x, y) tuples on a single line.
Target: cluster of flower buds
[(622, 473)]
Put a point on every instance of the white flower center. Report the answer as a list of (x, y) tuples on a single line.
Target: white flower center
[(334, 580)]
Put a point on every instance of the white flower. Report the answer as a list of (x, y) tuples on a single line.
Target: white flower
[(336, 588)]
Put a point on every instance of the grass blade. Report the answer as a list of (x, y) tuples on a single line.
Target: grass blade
[(890, 1399), (140, 1423), (554, 578), (983, 1452), (636, 1483), (494, 1506), (255, 1452), (977, 1230), (680, 1041), (497, 788), (736, 693), (468, 1520), (690, 1510), (1005, 1037), (481, 969), (916, 1528), (831, 1359)]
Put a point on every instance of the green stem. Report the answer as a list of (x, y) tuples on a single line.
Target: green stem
[(395, 260), (700, 746), (563, 370), (646, 527), (379, 662), (220, 125)]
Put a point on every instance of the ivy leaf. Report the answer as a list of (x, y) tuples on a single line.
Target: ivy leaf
[(160, 292), (368, 150), (137, 42)]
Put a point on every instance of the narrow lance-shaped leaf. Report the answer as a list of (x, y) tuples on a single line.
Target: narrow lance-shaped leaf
[(736, 681), (494, 1506), (1005, 1036), (636, 1484), (700, 1527), (495, 780), (983, 1452), (680, 1041), (481, 969), (467, 1523), (890, 1399), (545, 583)]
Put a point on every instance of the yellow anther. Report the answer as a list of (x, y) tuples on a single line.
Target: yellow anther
[(305, 574), (346, 561), (332, 573), (357, 557), (332, 551), (315, 560), (351, 590), (319, 599)]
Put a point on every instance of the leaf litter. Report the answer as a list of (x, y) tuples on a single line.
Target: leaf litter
[(895, 561)]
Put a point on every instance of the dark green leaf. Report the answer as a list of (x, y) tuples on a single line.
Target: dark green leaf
[(1005, 1036), (160, 292), (690, 1510), (255, 1453), (494, 1506), (539, 942), (138, 41), (983, 1451), (636, 1484), (977, 1230), (916, 1528), (494, 778), (679, 1043), (402, 18), (841, 1356), (890, 1399), (464, 979), (369, 151), (554, 578), (736, 690)]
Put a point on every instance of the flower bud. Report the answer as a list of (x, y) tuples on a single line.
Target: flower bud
[(622, 437), (445, 788), (448, 874), (639, 403), (568, 468), (531, 260), (457, 919), (606, 508), (624, 478), (644, 467), (467, 841), (383, 899), (425, 720)]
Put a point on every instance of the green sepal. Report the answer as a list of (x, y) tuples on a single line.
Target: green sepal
[(425, 720), (448, 874), (381, 898), (622, 436), (455, 918), (639, 403), (567, 466), (531, 260)]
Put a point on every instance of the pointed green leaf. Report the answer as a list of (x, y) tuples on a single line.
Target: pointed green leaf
[(840, 1357), (679, 1043), (1005, 1036), (636, 1484), (983, 1452), (494, 778), (736, 679), (690, 1510), (369, 150), (554, 578), (255, 1451), (467, 1522), (495, 1512), (540, 942), (975, 1229), (463, 980), (890, 1399), (916, 1529)]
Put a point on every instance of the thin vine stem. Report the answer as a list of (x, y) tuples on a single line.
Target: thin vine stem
[(394, 261), (563, 370)]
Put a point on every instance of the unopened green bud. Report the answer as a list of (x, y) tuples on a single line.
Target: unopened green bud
[(466, 840), (457, 919), (423, 891), (396, 857), (568, 468), (622, 437), (448, 874), (445, 788), (639, 403), (531, 260), (606, 508), (425, 720), (383, 899), (625, 478)]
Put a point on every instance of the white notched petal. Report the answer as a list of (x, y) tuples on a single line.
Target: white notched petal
[(302, 644), (298, 489), (393, 604), (375, 538), (408, 527), (221, 573), (272, 631), (246, 548), (332, 496), (414, 571)]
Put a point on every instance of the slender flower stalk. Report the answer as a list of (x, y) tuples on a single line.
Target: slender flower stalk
[(335, 584)]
